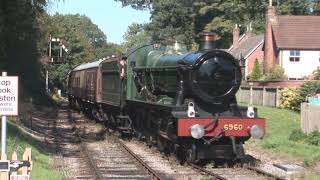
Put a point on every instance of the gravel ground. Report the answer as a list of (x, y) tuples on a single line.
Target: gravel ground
[(161, 163), (60, 139), (113, 162), (268, 160)]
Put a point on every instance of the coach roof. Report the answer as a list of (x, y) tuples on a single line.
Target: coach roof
[(88, 65)]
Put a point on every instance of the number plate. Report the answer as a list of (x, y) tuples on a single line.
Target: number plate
[(233, 127)]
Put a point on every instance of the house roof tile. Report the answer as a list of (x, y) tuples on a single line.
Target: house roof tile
[(297, 32), (247, 45)]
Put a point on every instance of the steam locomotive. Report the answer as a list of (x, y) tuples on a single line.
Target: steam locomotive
[(183, 102)]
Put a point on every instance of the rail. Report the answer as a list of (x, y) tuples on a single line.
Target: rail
[(150, 171), (214, 175), (259, 171), (251, 168)]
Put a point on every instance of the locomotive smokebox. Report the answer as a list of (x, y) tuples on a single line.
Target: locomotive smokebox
[(206, 41)]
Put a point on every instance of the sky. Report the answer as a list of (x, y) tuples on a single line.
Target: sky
[(109, 15)]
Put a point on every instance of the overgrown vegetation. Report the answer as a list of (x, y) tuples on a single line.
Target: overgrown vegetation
[(276, 74), (291, 98), (309, 88), (43, 165), (284, 139), (312, 139)]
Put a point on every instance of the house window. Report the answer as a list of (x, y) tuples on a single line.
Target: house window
[(294, 56)]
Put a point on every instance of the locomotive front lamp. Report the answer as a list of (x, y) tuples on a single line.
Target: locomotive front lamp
[(256, 132), (197, 131)]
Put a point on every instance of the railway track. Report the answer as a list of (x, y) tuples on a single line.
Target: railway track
[(151, 172), (237, 173), (75, 162), (114, 158), (189, 171)]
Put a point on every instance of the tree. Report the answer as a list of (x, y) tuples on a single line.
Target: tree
[(315, 6), (137, 4), (19, 37), (294, 7), (221, 16), (85, 41), (172, 21), (256, 71), (184, 19), (135, 36)]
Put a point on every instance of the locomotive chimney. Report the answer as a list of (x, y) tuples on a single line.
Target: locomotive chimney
[(206, 41)]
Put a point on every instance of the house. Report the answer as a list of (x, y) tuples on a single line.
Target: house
[(248, 46), (293, 42)]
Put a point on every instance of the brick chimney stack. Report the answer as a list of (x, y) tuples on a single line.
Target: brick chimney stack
[(236, 35), (270, 49)]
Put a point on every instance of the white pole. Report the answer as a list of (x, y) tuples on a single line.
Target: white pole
[(3, 129), (47, 80)]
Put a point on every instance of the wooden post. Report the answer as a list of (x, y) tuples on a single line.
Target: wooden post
[(14, 157), (27, 157), (264, 96), (278, 95), (251, 96), (4, 175)]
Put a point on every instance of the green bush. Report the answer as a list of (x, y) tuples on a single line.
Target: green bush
[(317, 74), (290, 99), (311, 139), (297, 135), (276, 74), (309, 88), (314, 138), (256, 73)]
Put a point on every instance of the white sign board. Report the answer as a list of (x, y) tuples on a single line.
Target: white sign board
[(19, 177), (8, 95)]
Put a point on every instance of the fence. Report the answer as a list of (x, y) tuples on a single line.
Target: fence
[(310, 118), (261, 95), (16, 166)]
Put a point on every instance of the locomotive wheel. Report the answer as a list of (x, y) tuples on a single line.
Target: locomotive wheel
[(150, 140), (77, 106), (191, 154), (161, 144), (139, 135), (106, 119), (95, 114)]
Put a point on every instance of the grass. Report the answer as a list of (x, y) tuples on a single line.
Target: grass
[(280, 124), (43, 167)]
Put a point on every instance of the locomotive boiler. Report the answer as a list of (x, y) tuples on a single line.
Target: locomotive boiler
[(183, 102)]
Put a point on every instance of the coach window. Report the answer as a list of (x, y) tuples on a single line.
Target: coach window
[(294, 56)]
